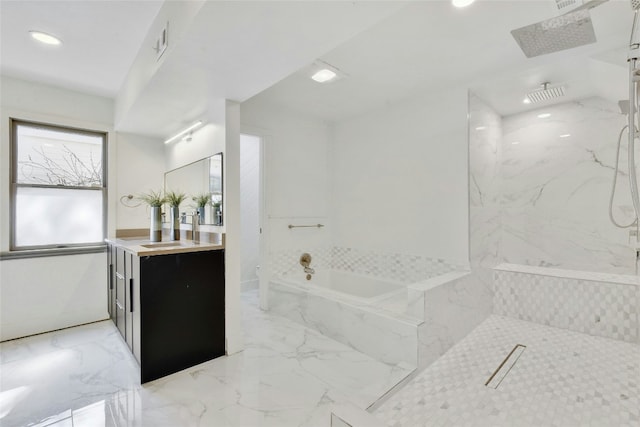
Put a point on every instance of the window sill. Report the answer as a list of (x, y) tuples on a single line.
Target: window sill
[(38, 253)]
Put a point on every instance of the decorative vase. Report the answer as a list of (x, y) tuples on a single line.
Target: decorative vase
[(201, 214), (155, 229), (217, 215), (175, 222)]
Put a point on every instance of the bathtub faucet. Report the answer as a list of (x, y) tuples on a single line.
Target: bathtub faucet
[(305, 261)]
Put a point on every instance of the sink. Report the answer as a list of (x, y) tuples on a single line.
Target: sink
[(162, 245)]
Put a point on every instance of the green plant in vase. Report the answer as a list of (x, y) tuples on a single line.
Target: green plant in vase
[(201, 201), (154, 199)]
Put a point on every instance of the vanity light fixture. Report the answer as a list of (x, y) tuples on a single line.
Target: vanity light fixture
[(566, 135), (544, 116), (462, 3), (45, 38), (185, 131)]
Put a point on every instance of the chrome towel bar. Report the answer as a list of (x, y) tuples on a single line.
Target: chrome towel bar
[(306, 226)]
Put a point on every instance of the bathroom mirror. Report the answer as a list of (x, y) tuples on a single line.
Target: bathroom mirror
[(200, 178)]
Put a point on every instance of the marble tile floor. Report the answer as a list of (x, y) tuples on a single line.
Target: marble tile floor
[(287, 375), (563, 379)]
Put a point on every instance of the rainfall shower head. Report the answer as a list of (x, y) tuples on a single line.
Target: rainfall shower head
[(545, 93), (571, 29), (562, 32)]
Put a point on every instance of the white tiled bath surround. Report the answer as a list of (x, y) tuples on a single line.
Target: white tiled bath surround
[(407, 268)]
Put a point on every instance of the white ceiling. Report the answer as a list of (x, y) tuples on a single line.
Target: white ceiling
[(431, 45), (100, 41), (238, 49)]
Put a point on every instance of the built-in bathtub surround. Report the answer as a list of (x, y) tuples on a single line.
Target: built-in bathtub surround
[(599, 304), (389, 337), (451, 306), (394, 323), (402, 267)]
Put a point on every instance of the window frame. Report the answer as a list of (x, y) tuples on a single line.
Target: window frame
[(14, 185)]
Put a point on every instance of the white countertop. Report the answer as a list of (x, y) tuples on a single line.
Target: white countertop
[(140, 246)]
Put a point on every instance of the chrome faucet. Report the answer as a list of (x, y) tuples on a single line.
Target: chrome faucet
[(195, 232)]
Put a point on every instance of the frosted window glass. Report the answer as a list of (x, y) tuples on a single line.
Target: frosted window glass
[(52, 216)]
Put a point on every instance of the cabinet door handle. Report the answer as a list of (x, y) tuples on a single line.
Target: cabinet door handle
[(119, 305), (131, 295), (111, 276), (119, 276)]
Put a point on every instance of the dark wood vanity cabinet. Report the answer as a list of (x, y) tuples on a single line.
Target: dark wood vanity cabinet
[(169, 308)]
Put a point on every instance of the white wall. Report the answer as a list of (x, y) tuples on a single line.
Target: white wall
[(400, 178), (249, 209), (139, 168), (42, 294), (296, 175)]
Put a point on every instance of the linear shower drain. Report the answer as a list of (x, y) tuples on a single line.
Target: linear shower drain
[(503, 369)]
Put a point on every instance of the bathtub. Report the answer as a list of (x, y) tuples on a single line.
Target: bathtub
[(342, 305), (344, 285)]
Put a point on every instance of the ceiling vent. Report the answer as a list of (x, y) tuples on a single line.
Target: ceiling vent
[(546, 93), (566, 6)]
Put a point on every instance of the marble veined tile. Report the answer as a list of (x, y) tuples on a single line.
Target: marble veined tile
[(288, 375)]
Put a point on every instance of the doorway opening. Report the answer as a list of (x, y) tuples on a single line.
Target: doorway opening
[(251, 208)]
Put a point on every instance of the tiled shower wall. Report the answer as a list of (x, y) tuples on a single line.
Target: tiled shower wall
[(537, 198), (405, 268), (601, 306)]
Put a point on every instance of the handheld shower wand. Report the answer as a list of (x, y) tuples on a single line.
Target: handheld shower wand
[(634, 56)]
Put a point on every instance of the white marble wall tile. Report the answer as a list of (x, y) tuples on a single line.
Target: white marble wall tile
[(485, 151), (406, 268), (597, 308), (452, 310), (555, 191), (383, 337)]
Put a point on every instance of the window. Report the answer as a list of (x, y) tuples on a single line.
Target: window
[(58, 186)]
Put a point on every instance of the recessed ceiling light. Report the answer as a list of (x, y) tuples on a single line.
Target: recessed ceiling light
[(462, 3), (515, 142), (481, 128), (526, 100), (324, 75), (45, 38), (544, 116), (566, 135)]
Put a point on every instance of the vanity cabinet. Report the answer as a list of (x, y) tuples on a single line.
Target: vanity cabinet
[(169, 308)]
